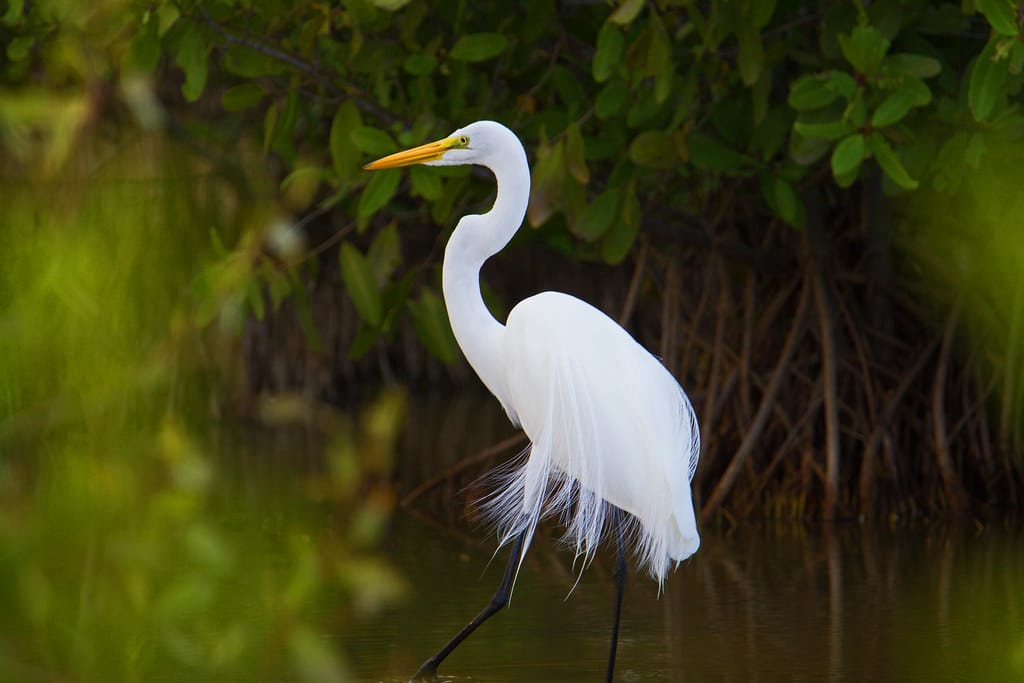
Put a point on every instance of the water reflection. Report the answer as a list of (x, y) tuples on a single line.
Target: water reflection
[(258, 565), (850, 605)]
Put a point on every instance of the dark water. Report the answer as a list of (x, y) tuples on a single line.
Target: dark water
[(273, 558), (852, 605)]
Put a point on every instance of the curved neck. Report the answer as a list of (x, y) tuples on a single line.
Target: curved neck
[(476, 239)]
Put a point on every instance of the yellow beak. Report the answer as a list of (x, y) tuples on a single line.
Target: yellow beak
[(432, 151)]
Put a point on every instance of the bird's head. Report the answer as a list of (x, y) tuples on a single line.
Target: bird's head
[(473, 144)]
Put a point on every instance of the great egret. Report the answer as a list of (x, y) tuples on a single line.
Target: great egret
[(610, 428)]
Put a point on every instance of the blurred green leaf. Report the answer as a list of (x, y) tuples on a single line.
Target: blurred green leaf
[(390, 5), (385, 253), (420, 64), (575, 154), (847, 155), (598, 216), (707, 152), (191, 57), (361, 284), (811, 91), (431, 322), (761, 12), (987, 82), (832, 130), (345, 156), (425, 182), (890, 162), (750, 57), (1001, 14), (608, 54), (893, 108), (378, 192), (372, 140), (612, 98), (654, 148), (478, 47), (626, 12), (864, 48), (619, 238), (547, 178), (241, 97), (918, 66)]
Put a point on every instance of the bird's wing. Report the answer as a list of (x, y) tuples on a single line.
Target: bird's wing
[(607, 422)]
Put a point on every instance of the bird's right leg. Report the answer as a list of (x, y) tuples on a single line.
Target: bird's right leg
[(428, 671)]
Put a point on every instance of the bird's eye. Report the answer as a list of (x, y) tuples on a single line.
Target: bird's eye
[(463, 141)]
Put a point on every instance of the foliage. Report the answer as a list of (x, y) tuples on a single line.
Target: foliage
[(617, 105), (647, 122), (125, 553)]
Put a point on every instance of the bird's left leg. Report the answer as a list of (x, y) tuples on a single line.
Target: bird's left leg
[(428, 671), (620, 585)]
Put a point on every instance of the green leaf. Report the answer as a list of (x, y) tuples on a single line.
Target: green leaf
[(390, 5), (811, 91), (707, 152), (806, 151), (842, 83), (1001, 14), (761, 12), (608, 55), (270, 126), (598, 216), (241, 97), (305, 177), (361, 284), (894, 107), (619, 239), (890, 162), (917, 66), (191, 57), (378, 192), (547, 178), (832, 130), (145, 47), (986, 86), (431, 322), (612, 99), (420, 64), (478, 47), (626, 12), (426, 183), (576, 154), (372, 140), (786, 202), (750, 57), (385, 253), (864, 48), (345, 156), (654, 148), (847, 155)]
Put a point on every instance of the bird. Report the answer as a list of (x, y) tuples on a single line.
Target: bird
[(613, 438)]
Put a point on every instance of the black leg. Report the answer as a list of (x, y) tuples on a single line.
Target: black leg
[(620, 585), (428, 670)]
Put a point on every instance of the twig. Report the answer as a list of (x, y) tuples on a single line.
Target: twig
[(763, 410), (955, 495), (463, 464)]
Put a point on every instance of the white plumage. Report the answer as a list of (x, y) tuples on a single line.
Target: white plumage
[(608, 424)]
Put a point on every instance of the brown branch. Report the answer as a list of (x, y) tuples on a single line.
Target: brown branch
[(867, 468), (955, 495), (464, 464), (763, 411)]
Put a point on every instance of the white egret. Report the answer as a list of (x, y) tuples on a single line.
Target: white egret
[(610, 428)]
